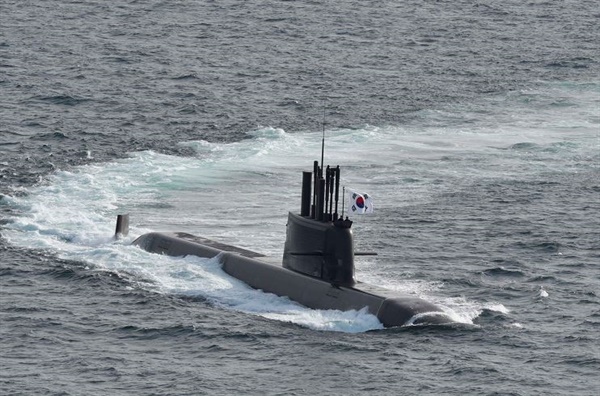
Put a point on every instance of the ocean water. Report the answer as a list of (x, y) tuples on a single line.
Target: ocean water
[(475, 127)]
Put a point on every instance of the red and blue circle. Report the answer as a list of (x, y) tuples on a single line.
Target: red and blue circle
[(360, 202)]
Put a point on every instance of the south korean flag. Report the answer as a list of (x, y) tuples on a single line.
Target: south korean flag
[(358, 203)]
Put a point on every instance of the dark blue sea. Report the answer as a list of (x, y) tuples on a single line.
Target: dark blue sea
[(474, 125)]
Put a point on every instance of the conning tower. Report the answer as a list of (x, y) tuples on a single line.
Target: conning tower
[(318, 241)]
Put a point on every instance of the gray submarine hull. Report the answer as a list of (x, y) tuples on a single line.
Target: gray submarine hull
[(263, 273), (317, 268)]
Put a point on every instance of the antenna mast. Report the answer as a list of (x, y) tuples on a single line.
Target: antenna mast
[(323, 141)]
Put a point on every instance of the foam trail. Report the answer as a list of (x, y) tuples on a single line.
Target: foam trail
[(72, 214)]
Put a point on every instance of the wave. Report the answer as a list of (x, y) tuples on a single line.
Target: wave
[(61, 99)]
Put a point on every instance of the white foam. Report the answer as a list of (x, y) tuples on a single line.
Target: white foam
[(496, 307), (351, 321)]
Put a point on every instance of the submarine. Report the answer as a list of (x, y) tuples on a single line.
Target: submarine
[(317, 268)]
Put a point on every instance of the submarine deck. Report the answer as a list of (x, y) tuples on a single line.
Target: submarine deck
[(218, 245), (360, 286)]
